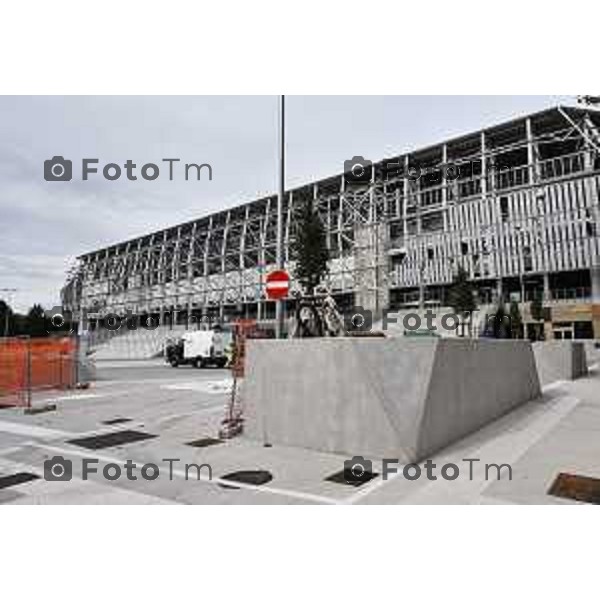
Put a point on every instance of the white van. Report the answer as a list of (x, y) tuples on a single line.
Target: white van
[(198, 348)]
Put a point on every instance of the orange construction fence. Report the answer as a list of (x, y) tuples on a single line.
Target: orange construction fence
[(29, 365)]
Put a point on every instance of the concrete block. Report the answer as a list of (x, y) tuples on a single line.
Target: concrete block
[(560, 360), (399, 398)]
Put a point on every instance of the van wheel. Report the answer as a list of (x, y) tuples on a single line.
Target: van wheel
[(174, 363), (198, 363)]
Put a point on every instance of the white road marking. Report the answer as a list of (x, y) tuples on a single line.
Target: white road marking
[(32, 430), (222, 386), (76, 397), (199, 411)]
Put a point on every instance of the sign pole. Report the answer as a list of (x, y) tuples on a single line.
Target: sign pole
[(280, 253)]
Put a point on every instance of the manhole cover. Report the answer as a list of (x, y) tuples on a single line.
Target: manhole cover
[(16, 479), (339, 477), (204, 442), (247, 477), (116, 421), (576, 487), (106, 440)]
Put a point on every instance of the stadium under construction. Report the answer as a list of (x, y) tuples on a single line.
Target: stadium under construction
[(517, 205)]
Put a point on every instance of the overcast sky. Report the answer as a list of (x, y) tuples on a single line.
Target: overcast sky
[(44, 225)]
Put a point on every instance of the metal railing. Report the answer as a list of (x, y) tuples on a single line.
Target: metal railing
[(562, 166), (500, 179), (567, 294)]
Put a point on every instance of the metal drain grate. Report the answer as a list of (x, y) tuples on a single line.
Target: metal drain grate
[(106, 440), (247, 477), (339, 477), (16, 479), (204, 442), (576, 487), (116, 421)]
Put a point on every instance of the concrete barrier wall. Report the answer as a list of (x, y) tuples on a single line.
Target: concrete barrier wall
[(473, 383), (389, 398), (592, 351), (560, 360)]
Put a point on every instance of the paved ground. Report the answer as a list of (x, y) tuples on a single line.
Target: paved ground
[(539, 440)]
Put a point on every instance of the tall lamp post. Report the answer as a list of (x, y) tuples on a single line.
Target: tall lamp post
[(280, 253)]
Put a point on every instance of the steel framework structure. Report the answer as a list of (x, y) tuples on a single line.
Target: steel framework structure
[(519, 197)]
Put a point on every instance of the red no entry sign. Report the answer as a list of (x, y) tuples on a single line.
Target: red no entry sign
[(278, 285)]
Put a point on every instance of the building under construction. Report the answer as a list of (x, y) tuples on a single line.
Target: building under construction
[(516, 205)]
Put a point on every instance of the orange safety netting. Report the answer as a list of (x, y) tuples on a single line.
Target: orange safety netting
[(28, 365)]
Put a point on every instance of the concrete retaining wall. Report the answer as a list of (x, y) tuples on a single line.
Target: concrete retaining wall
[(382, 398), (558, 360)]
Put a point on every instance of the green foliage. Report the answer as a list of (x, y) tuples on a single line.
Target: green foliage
[(309, 249), (501, 323), (516, 320), (461, 297), (536, 308), (33, 324), (35, 321)]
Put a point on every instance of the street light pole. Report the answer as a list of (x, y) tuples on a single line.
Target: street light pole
[(280, 253)]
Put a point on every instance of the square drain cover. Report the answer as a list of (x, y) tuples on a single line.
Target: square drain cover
[(16, 479), (204, 442), (106, 440), (576, 487), (116, 421), (339, 477)]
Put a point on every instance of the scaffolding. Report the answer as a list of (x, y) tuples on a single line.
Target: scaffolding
[(519, 197)]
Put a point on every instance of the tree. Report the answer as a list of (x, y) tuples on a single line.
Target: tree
[(516, 321), (36, 322), (461, 297), (536, 308), (309, 249), (500, 323), (6, 317)]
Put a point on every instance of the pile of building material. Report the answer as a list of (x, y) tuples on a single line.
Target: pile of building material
[(399, 398)]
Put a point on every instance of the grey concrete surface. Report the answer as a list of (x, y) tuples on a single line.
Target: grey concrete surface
[(539, 439), (395, 398), (559, 360)]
